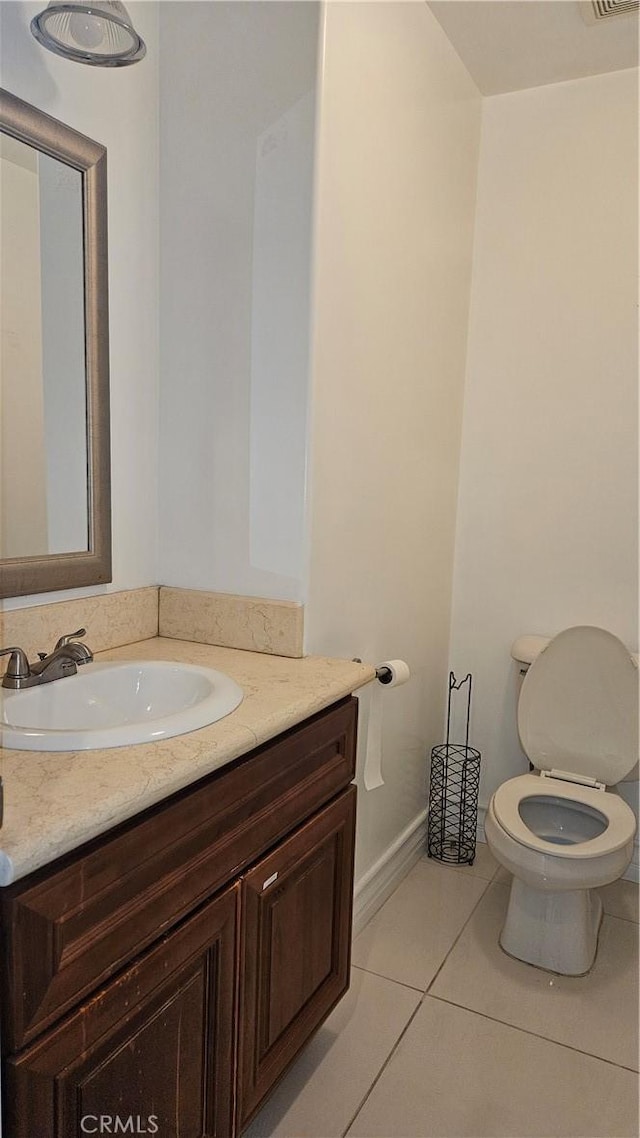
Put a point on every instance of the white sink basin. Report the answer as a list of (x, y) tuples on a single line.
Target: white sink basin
[(115, 704)]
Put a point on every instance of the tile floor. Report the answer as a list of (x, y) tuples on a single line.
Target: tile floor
[(444, 1036)]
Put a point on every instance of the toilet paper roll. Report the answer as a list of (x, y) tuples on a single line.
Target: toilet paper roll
[(390, 673)]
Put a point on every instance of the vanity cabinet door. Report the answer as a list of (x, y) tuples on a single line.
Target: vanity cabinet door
[(296, 946), (155, 1046)]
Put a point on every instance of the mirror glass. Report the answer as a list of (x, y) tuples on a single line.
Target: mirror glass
[(55, 483), (43, 404)]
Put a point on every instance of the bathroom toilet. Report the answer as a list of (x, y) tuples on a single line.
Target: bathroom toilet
[(560, 831)]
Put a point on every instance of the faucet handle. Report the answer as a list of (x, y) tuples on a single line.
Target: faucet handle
[(80, 653), (18, 666), (70, 636)]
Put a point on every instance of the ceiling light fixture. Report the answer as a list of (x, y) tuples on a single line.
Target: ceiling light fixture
[(99, 33)]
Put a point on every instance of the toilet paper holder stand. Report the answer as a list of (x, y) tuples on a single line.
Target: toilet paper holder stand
[(453, 791)]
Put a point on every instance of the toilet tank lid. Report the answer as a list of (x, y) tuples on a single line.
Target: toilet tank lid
[(528, 647)]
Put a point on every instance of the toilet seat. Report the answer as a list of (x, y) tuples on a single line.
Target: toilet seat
[(621, 821)]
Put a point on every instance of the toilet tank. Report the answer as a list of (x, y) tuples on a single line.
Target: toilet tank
[(526, 648)]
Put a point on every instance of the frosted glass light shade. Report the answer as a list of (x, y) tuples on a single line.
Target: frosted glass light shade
[(99, 32)]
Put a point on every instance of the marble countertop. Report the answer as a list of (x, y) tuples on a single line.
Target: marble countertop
[(56, 801)]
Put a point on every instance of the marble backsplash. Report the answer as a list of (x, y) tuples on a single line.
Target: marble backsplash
[(115, 619), (250, 623), (111, 620)]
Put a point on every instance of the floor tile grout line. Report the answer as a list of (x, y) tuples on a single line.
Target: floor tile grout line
[(424, 991), (417, 1009), (535, 1034), (455, 941), (385, 1064), (617, 917), (389, 979)]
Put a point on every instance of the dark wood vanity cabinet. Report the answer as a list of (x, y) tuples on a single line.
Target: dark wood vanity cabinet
[(169, 971)]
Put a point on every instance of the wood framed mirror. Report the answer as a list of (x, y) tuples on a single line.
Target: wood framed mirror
[(55, 487)]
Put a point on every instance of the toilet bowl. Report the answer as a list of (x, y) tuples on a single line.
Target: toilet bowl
[(560, 831)]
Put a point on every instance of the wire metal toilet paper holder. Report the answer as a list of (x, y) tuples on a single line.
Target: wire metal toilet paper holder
[(453, 792)]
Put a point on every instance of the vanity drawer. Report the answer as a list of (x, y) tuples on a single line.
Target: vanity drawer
[(70, 926)]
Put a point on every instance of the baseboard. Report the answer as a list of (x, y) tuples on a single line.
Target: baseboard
[(631, 874), (379, 882)]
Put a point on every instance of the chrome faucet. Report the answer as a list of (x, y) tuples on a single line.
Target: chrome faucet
[(65, 659)]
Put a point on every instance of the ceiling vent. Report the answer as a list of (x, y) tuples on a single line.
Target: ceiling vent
[(593, 11)]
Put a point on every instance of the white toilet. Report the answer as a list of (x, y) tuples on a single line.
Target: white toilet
[(560, 831)]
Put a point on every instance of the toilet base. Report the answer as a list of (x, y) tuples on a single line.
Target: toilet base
[(557, 931)]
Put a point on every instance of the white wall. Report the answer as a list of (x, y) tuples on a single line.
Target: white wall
[(547, 517), (237, 114), (119, 108), (280, 315), (396, 182)]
